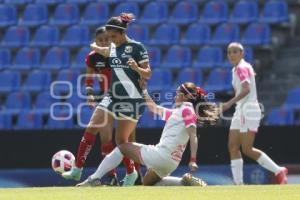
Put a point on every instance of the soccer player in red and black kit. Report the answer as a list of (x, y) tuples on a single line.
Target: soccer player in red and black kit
[(97, 65)]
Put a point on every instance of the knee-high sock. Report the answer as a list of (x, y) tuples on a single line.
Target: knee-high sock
[(237, 171), (266, 162), (84, 149), (169, 181), (110, 162), (106, 148)]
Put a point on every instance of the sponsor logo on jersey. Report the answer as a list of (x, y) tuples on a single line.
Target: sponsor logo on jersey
[(116, 62), (128, 49)]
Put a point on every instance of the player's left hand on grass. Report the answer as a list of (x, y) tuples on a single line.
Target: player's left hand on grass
[(193, 166)]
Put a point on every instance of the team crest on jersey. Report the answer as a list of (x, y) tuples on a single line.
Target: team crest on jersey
[(128, 49)]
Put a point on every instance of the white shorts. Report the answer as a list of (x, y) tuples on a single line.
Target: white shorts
[(158, 160), (246, 118)]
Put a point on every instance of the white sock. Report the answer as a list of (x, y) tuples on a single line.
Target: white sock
[(266, 162), (169, 181), (110, 162), (237, 171)]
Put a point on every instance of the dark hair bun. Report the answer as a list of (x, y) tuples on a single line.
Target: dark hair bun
[(126, 17)]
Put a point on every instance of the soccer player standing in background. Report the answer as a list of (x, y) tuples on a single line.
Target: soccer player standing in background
[(129, 63), (246, 119)]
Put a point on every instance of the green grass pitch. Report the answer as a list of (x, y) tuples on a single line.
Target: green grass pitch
[(260, 192)]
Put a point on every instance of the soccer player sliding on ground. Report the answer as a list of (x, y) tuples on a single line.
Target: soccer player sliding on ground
[(191, 109)]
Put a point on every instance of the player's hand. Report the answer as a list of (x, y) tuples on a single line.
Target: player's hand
[(132, 64), (94, 46), (193, 166), (91, 101)]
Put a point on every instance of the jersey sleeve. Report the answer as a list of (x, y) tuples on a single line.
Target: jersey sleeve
[(141, 54), (189, 117), (166, 114), (243, 74)]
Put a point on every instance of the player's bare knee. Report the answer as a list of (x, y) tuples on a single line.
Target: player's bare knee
[(247, 150)]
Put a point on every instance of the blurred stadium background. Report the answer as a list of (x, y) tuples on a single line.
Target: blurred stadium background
[(42, 41)]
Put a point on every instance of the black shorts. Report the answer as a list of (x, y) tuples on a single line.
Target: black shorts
[(131, 109)]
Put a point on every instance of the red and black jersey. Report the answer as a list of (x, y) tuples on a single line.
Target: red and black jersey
[(100, 65)]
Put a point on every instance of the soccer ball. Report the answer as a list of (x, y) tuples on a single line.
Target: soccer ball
[(62, 161)]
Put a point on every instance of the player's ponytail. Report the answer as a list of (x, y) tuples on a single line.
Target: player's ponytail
[(119, 23), (207, 112)]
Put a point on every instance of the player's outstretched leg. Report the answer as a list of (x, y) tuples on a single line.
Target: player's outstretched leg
[(130, 179), (74, 173)]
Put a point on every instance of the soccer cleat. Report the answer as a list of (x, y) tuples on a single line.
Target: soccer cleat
[(189, 180), (281, 177), (130, 179), (74, 173), (89, 182)]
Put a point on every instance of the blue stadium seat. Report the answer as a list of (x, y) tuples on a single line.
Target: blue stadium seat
[(56, 58), (46, 36), (275, 11), (78, 1), (280, 117), (161, 13), (244, 12), (189, 75), (293, 98), (8, 15), (110, 1), (51, 2), (35, 15), (76, 35), (127, 7), (95, 14), (160, 78), (17, 102), (138, 32), (27, 58), (37, 81), (226, 33), (215, 12), (5, 58), (166, 34), (219, 80), (18, 1), (75, 100), (209, 57), (184, 12), (43, 102), (5, 121), (154, 56), (196, 34), (16, 36), (29, 120), (148, 120), (9, 81), (84, 115), (257, 34), (65, 14), (70, 76), (79, 61), (60, 124), (177, 57), (248, 51)]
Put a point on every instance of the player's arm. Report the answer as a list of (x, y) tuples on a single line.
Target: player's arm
[(143, 69), (192, 132), (152, 106), (104, 51)]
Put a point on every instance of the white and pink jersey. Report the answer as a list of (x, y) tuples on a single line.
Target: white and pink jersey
[(241, 73), (174, 136)]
